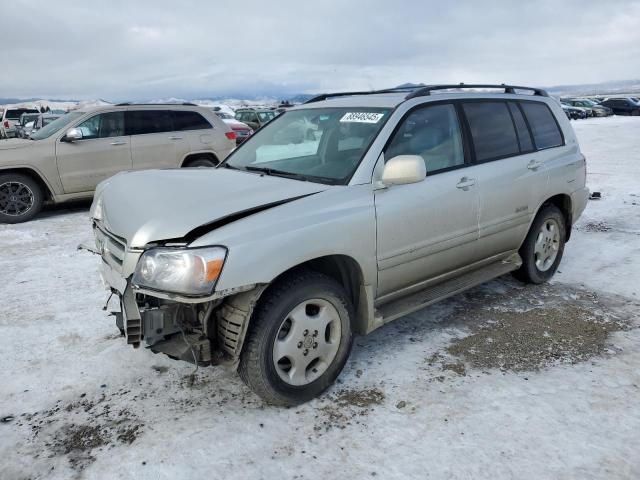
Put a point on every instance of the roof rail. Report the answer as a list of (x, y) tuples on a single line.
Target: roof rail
[(124, 104), (324, 96), (424, 91)]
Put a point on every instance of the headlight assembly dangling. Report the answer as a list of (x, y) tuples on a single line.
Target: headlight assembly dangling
[(187, 271)]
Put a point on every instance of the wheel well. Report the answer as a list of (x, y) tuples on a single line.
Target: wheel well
[(344, 270), (198, 156), (34, 176), (563, 202)]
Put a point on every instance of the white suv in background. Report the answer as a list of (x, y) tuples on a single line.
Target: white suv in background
[(66, 159)]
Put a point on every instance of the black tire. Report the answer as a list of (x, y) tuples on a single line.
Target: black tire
[(529, 271), (201, 162), (257, 366), (635, 113), (26, 188)]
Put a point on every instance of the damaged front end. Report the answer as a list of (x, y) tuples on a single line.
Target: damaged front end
[(207, 330)]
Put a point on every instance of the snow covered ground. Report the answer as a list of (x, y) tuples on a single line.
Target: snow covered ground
[(505, 381)]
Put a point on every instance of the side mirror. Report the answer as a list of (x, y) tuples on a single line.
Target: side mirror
[(72, 135), (404, 169)]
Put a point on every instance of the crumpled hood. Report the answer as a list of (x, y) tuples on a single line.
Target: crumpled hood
[(156, 205), (14, 143)]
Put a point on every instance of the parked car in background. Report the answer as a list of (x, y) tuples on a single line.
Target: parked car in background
[(243, 131), (622, 106), (255, 117), (10, 118), (573, 113), (596, 109), (66, 159), (41, 121), (21, 126), (273, 261)]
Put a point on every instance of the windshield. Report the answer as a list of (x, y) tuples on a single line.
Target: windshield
[(266, 116), (321, 145), (28, 117), (56, 125)]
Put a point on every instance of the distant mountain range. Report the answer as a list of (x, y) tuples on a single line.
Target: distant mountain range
[(603, 88)]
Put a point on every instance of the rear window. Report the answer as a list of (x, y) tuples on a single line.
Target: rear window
[(492, 130), (185, 120), (545, 130), (15, 113)]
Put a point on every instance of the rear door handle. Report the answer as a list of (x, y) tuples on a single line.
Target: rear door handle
[(465, 183), (174, 137), (118, 143), (534, 165)]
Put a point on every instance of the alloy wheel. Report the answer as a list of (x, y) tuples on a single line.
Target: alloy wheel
[(16, 198), (547, 244)]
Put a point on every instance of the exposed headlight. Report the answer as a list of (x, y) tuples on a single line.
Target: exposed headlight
[(192, 271)]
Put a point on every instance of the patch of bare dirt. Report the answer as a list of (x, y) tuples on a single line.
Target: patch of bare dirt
[(347, 408), (568, 331), (80, 428), (596, 227)]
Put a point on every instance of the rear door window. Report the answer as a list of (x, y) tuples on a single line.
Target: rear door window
[(545, 130), (141, 122), (185, 120), (492, 130)]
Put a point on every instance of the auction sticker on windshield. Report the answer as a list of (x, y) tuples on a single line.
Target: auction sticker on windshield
[(362, 117)]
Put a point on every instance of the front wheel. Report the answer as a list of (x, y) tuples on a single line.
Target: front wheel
[(299, 339), (21, 198), (542, 250)]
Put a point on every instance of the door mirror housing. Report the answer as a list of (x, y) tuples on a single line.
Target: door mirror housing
[(72, 135), (404, 169)]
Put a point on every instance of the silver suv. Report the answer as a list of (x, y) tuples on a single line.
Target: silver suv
[(68, 157), (274, 260)]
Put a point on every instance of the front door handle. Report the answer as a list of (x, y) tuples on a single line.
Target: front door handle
[(465, 183), (118, 143), (174, 137), (534, 165)]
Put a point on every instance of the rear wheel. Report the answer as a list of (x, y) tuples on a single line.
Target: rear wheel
[(543, 248), (635, 113), (21, 198), (201, 162), (299, 341)]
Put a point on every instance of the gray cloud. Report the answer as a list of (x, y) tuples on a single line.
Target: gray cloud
[(145, 49)]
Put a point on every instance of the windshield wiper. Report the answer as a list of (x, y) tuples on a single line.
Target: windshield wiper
[(276, 173)]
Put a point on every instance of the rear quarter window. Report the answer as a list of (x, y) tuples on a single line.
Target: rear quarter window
[(545, 130), (492, 130), (186, 120)]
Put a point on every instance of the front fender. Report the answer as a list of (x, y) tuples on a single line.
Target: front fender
[(339, 221)]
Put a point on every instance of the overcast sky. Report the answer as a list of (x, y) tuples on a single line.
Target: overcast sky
[(121, 50)]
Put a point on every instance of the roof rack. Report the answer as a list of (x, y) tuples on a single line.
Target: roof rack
[(324, 96), (424, 91), (124, 104)]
